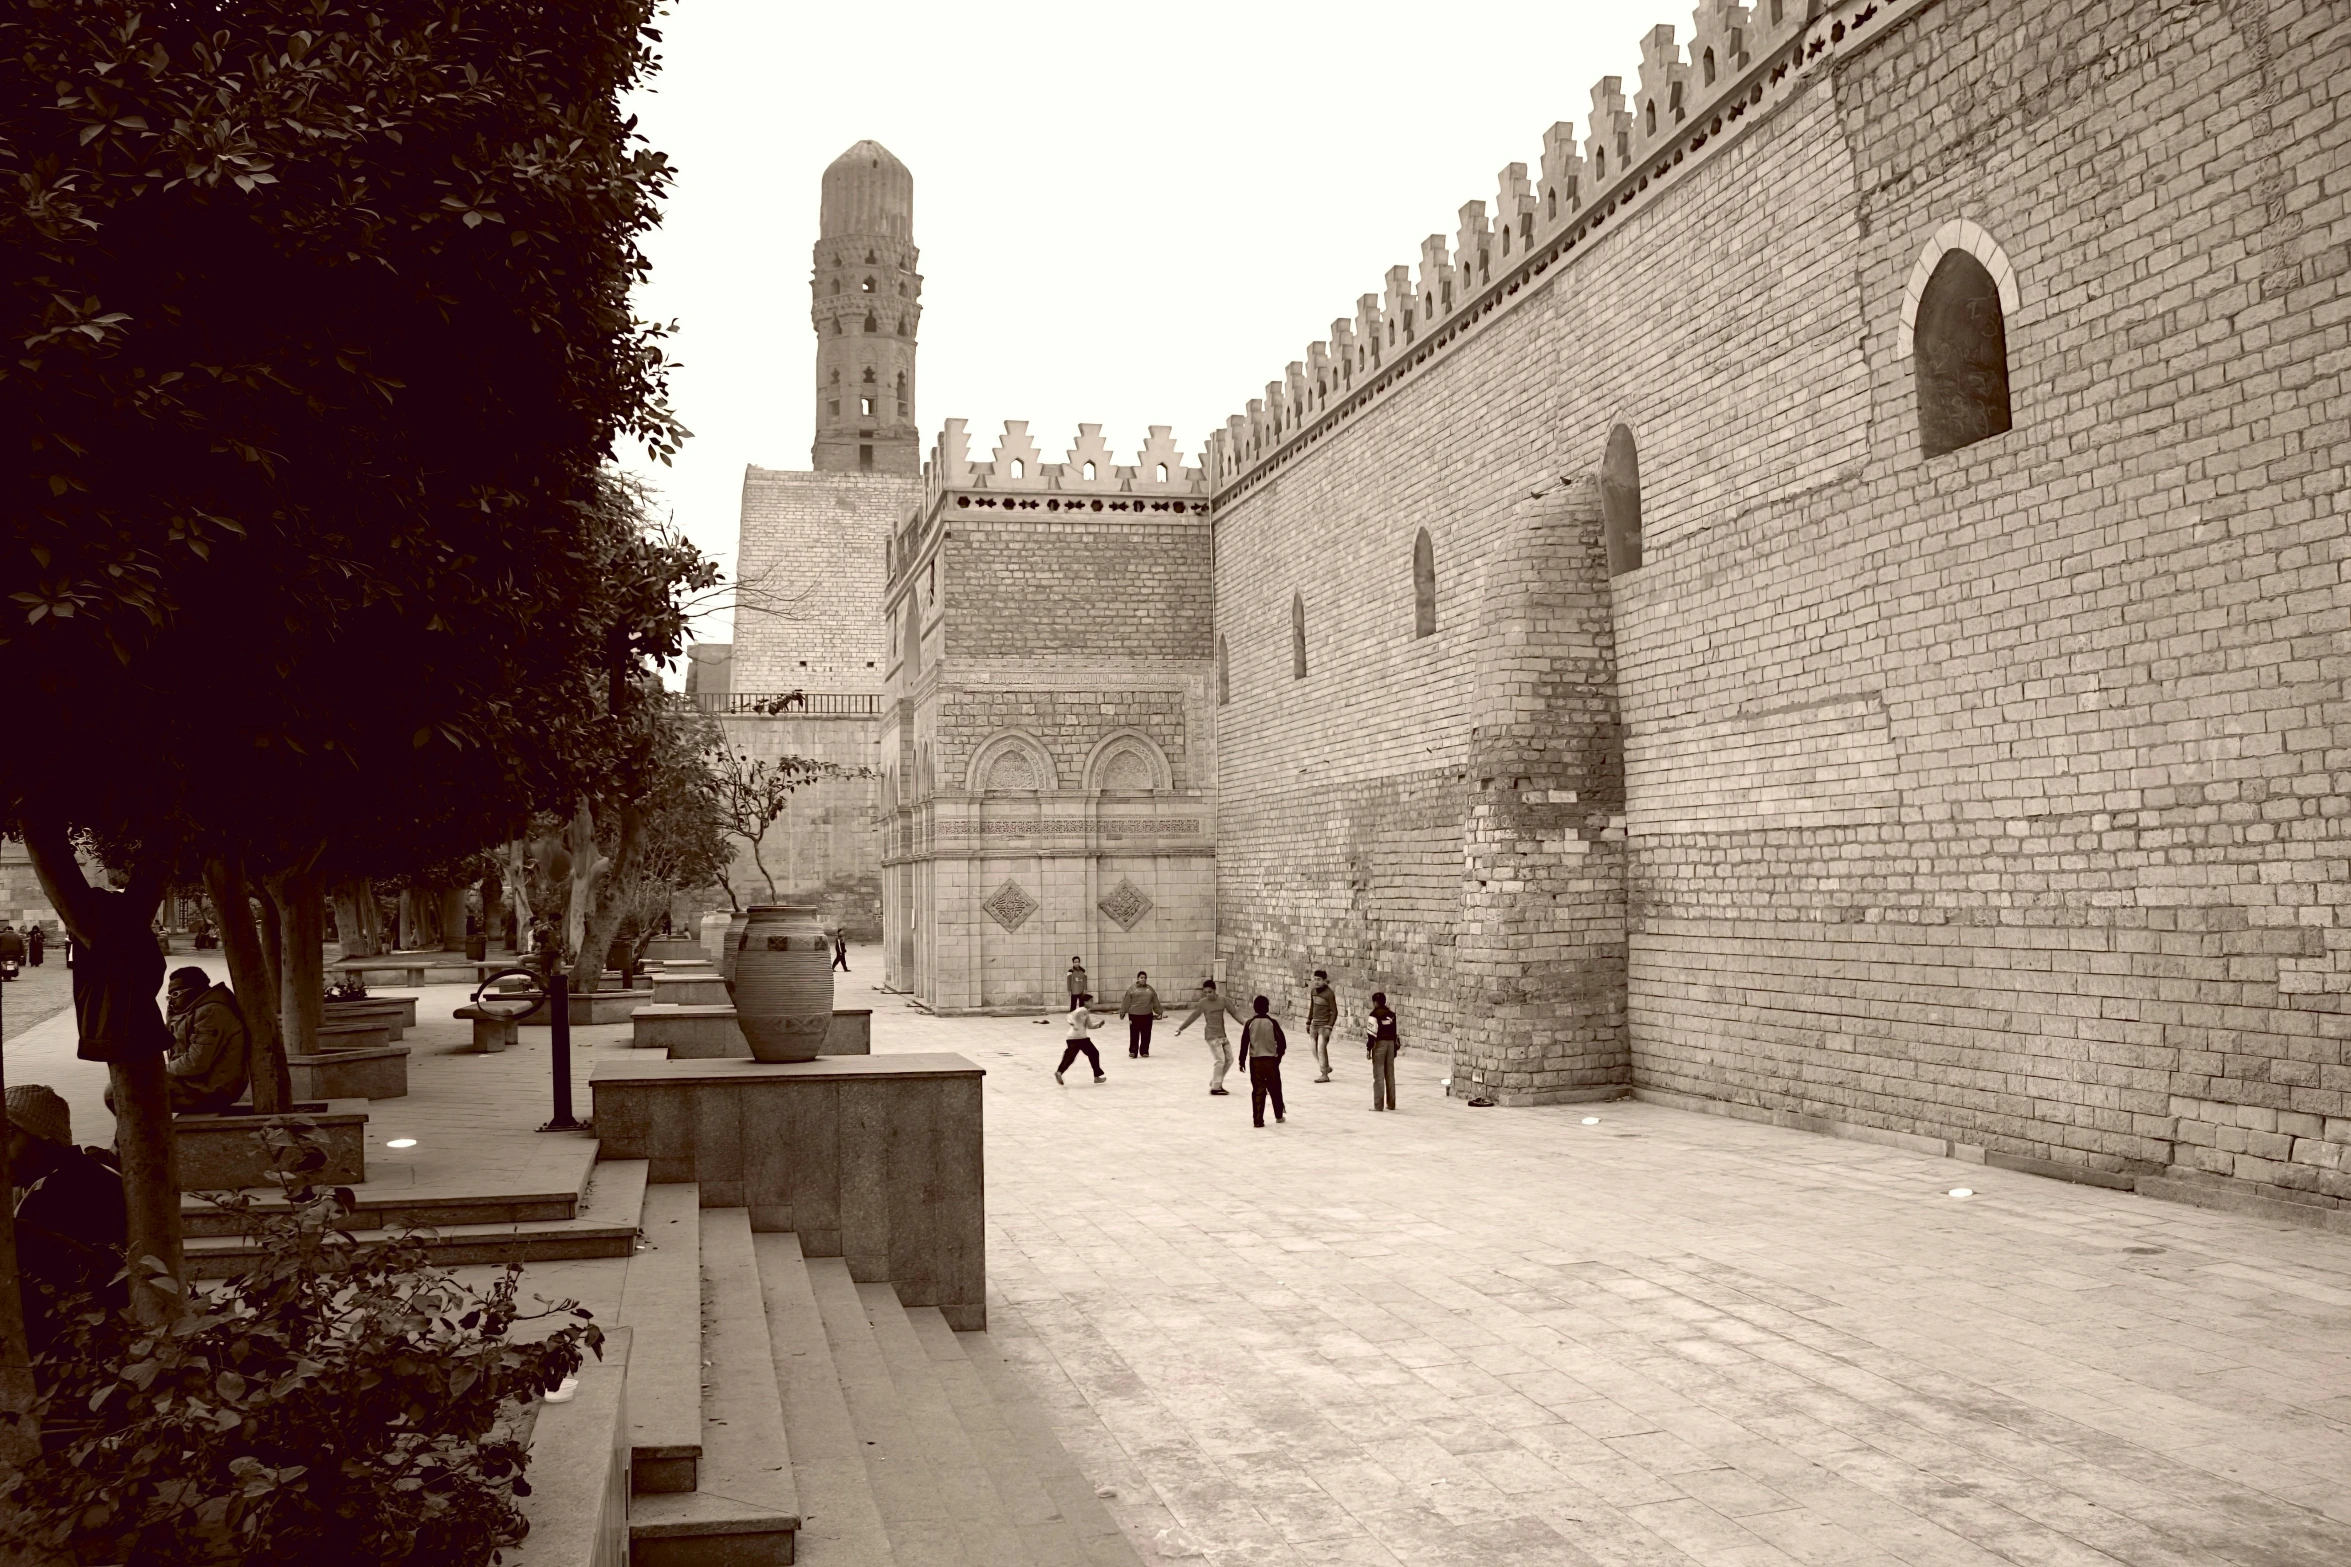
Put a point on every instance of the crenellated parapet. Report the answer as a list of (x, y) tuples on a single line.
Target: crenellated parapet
[(1745, 57), (1089, 478)]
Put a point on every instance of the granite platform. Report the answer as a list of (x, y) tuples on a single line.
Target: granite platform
[(873, 1159)]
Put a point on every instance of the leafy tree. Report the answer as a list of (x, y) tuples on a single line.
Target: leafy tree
[(752, 793), (318, 344)]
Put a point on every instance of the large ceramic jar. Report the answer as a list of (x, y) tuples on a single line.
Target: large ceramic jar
[(734, 939), (784, 982)]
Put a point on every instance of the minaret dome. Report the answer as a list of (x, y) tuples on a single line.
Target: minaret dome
[(866, 306)]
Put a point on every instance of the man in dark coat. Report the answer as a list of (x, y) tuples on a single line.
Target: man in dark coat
[(211, 1055), (35, 940)]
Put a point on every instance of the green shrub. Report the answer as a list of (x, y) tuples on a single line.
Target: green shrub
[(340, 1401)]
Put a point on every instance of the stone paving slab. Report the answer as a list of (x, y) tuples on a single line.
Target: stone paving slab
[(1506, 1336)]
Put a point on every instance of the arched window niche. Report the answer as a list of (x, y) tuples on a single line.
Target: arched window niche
[(1424, 585), (1955, 334), (1297, 637), (911, 653), (1011, 763), (1620, 501)]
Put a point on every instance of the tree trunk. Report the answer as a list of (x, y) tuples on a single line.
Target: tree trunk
[(599, 914), (300, 897), (20, 1439), (253, 977), (406, 935), (493, 913), (588, 866), (518, 890), (150, 1181), (356, 918), (453, 918), (142, 1101)]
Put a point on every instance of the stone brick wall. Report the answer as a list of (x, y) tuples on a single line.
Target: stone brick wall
[(809, 572), (1051, 586), (1991, 797), (826, 848)]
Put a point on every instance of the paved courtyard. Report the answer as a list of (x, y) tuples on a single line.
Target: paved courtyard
[(1506, 1336), (1457, 1336)]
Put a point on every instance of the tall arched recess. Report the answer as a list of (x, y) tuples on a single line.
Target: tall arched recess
[(1620, 502), (912, 655), (1424, 585), (1297, 636), (1955, 332), (1224, 679)]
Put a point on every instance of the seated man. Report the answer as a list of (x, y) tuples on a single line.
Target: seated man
[(70, 1220), (211, 1059)]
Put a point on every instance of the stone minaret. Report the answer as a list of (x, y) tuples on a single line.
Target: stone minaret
[(867, 306)]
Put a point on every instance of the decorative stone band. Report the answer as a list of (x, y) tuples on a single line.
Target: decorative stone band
[(1074, 826), (1397, 331)]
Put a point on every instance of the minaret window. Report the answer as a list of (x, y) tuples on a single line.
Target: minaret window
[(902, 332), (865, 287), (870, 324), (833, 406), (869, 375), (865, 406), (902, 408)]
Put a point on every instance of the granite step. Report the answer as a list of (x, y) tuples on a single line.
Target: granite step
[(916, 1517), (604, 1224), (1026, 1428), (578, 1506), (661, 1303), (550, 1192), (744, 1509), (840, 1525), (992, 1535)]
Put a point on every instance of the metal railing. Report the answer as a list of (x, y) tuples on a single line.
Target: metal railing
[(785, 704)]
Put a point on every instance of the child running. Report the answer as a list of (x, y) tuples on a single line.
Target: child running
[(1081, 1022)]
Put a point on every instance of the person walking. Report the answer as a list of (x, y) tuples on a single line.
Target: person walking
[(36, 941), (1141, 1005), (1264, 1044), (1211, 1010), (1380, 1043), (841, 950), (1082, 1022), (1322, 1015)]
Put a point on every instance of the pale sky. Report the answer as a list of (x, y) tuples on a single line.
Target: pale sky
[(1128, 215)]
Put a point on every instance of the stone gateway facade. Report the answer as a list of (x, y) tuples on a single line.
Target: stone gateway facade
[(1823, 600), (1047, 732)]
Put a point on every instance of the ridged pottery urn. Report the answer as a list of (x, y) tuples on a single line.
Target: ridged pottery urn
[(726, 957), (784, 982)]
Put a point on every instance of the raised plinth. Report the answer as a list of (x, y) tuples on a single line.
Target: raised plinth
[(219, 1153), (711, 1033), (380, 1072), (693, 988), (601, 1006), (876, 1160)]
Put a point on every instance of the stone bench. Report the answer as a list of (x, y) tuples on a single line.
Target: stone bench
[(379, 1073), (492, 1031), (222, 1153)]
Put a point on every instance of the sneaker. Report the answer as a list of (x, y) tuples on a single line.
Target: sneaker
[(1131, 1055), (1260, 1125), (1101, 1077), (1281, 1118), (1220, 1091), (1057, 1079), (1326, 1077)]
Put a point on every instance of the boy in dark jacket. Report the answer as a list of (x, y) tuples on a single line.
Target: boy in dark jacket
[(1263, 1045)]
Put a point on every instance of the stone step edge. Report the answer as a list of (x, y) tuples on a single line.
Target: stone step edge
[(607, 1226), (661, 1299), (985, 1515), (841, 1523), (744, 1485), (883, 1426), (1027, 1426)]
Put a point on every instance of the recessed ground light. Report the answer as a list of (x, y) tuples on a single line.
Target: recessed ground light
[(1963, 1191), (1591, 1120), (401, 1142)]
